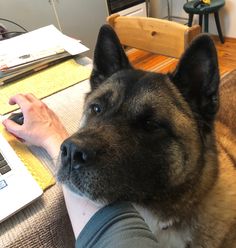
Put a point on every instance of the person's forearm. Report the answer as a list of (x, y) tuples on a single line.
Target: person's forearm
[(80, 210)]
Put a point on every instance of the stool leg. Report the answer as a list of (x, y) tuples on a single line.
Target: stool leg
[(206, 23), (217, 20), (190, 20), (200, 19), (168, 10)]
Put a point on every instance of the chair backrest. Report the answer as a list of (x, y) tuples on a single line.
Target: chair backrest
[(151, 34)]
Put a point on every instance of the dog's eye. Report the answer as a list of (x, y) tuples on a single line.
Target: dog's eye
[(150, 125), (95, 108)]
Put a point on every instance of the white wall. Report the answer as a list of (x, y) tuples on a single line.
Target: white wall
[(228, 19), (79, 18), (30, 14), (82, 19), (227, 14)]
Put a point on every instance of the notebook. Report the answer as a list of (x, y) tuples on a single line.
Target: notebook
[(18, 188)]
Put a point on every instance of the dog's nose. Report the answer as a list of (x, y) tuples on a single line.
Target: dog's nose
[(73, 155)]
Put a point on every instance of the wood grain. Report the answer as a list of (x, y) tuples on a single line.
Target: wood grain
[(151, 34), (153, 62)]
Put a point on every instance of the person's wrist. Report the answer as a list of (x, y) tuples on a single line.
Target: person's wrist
[(53, 143)]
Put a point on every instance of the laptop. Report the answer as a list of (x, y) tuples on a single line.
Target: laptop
[(18, 188)]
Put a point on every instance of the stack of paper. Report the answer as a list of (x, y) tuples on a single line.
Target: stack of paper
[(23, 55)]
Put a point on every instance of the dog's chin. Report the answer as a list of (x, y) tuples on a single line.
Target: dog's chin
[(64, 176), (74, 189)]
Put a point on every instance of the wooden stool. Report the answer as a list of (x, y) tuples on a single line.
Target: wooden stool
[(205, 10)]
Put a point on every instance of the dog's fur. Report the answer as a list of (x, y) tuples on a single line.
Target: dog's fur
[(150, 138)]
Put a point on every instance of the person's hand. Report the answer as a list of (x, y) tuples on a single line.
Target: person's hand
[(41, 126)]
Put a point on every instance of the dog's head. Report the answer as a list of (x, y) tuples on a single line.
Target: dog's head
[(143, 135)]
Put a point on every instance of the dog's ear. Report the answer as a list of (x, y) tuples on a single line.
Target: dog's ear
[(197, 77), (109, 56)]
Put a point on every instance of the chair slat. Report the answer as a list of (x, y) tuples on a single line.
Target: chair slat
[(152, 34)]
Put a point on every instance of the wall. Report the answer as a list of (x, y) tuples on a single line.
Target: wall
[(227, 15), (80, 19), (30, 14)]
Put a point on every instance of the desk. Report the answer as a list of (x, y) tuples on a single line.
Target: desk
[(45, 223)]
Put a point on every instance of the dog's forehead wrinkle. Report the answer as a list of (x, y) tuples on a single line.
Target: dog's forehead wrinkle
[(162, 90), (151, 97), (161, 106), (110, 91)]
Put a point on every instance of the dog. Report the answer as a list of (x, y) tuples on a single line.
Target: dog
[(153, 139)]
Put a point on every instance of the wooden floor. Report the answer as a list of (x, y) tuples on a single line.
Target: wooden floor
[(148, 61), (226, 54)]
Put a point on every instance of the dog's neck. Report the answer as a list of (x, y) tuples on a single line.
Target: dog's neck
[(154, 223), (180, 211), (169, 232)]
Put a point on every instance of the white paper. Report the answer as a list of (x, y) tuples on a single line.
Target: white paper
[(37, 44)]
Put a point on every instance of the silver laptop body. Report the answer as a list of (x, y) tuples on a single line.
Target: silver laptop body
[(17, 186)]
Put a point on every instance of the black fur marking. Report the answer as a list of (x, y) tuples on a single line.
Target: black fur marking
[(110, 52), (197, 77), (147, 141)]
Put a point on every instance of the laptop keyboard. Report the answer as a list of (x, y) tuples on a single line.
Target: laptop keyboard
[(4, 167)]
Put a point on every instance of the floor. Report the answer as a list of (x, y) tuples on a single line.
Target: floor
[(147, 61), (226, 53)]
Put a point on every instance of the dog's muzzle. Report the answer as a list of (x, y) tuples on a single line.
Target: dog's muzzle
[(75, 155)]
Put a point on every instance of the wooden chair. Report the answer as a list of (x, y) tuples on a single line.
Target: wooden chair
[(151, 34)]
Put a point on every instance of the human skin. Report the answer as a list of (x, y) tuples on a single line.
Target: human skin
[(43, 128)]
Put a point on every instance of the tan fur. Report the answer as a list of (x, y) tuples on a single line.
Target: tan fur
[(217, 213), (217, 217), (212, 224), (227, 109), (150, 139)]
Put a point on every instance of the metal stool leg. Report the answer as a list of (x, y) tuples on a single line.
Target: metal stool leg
[(148, 3), (206, 23), (168, 10), (217, 20), (190, 20), (200, 19)]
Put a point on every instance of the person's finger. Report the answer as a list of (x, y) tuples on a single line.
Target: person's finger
[(19, 99), (31, 97), (35, 101), (12, 127)]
